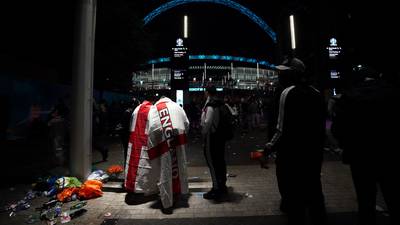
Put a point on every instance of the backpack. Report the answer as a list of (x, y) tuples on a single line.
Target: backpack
[(225, 128)]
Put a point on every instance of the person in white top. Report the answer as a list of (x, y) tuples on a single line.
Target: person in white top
[(214, 146)]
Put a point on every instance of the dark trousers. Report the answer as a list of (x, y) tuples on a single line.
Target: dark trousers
[(214, 152), (365, 178), (301, 190)]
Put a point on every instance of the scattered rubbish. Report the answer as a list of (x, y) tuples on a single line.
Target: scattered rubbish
[(231, 175), (65, 218), (78, 205), (115, 170), (50, 204), (48, 214), (68, 182), (74, 197), (91, 189), (51, 192), (58, 210), (76, 213), (108, 214), (30, 195), (12, 214), (98, 175), (247, 195), (66, 194), (32, 219), (51, 222)]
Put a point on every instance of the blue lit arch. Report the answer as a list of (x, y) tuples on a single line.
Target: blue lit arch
[(231, 4)]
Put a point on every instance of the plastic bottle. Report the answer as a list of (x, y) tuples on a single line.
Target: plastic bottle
[(78, 205)]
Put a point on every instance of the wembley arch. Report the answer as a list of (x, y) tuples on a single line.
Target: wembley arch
[(228, 3)]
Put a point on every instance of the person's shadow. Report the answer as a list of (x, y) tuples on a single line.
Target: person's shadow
[(179, 202), (231, 196), (138, 199)]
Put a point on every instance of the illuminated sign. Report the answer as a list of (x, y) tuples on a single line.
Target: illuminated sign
[(179, 42), (179, 97), (179, 74), (203, 89), (335, 74), (179, 65), (333, 49)]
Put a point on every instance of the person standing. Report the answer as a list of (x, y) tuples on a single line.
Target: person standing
[(298, 142), (214, 145), (365, 123)]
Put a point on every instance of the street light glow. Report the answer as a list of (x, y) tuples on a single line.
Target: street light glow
[(185, 28), (292, 33)]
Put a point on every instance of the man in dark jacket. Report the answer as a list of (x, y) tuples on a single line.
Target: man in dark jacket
[(365, 124), (298, 141)]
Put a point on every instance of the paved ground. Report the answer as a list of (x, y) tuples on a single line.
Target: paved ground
[(253, 192)]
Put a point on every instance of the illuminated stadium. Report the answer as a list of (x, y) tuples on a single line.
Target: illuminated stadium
[(223, 71), (229, 72)]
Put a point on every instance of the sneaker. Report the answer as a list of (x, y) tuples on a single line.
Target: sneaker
[(211, 194), (216, 194)]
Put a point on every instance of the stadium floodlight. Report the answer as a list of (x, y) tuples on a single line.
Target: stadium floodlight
[(292, 32), (185, 26)]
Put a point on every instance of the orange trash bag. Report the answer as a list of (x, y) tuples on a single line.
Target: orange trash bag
[(66, 194), (91, 189), (115, 169)]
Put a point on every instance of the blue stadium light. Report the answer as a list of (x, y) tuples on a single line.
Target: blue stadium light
[(216, 57), (228, 3)]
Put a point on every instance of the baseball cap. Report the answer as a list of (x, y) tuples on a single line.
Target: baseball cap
[(293, 64)]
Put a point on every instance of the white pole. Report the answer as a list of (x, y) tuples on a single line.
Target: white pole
[(292, 32), (82, 82), (152, 72), (258, 71), (205, 71), (232, 70), (185, 26)]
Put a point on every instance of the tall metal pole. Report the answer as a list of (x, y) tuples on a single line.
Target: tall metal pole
[(82, 83), (232, 71), (152, 76), (205, 71)]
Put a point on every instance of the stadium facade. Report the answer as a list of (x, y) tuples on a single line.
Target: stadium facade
[(225, 72)]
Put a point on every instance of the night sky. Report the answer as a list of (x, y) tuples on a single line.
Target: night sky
[(216, 29), (41, 32)]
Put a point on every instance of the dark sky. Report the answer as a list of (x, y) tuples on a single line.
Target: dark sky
[(41, 32), (216, 29)]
